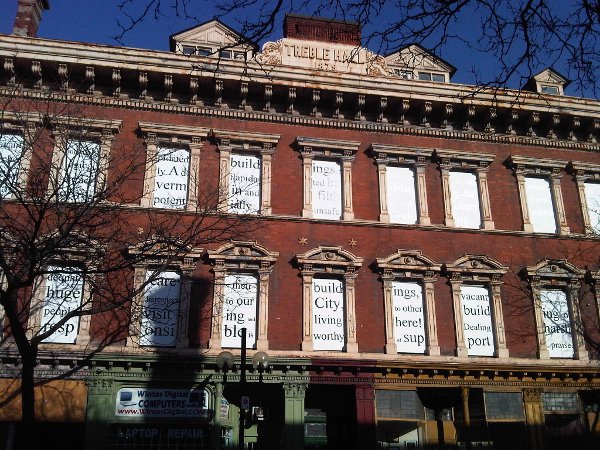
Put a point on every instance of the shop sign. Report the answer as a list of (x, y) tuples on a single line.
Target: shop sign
[(477, 320), (11, 146), (464, 198), (409, 321), (62, 294), (328, 314), (143, 402), (171, 180), (557, 324), (160, 310), (239, 310), (129, 434), (224, 409), (326, 190), (244, 184), (400, 184)]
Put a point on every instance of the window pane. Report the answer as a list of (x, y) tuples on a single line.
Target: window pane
[(539, 205), (438, 77), (398, 405), (477, 319), (79, 171), (11, 147), (239, 310), (328, 314), (244, 184), (225, 54), (188, 50), (504, 405), (326, 190), (172, 176), (203, 51), (409, 321), (464, 196), (557, 324), (402, 205), (63, 293), (425, 76), (560, 401), (592, 197), (549, 90), (160, 310)]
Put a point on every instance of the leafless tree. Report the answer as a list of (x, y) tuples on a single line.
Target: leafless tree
[(71, 234), (523, 36)]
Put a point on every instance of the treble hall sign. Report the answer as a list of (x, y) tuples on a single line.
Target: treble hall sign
[(323, 56)]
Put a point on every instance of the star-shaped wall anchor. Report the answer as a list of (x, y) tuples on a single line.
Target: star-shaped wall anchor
[(303, 241), (351, 242)]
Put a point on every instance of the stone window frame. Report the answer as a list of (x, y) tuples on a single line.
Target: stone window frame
[(593, 278), (246, 142), (74, 258), (549, 169), (584, 172), (244, 257), (478, 270), (166, 258), (557, 274), (401, 156), (327, 149), (477, 163), (411, 266), (100, 131), (334, 263), (28, 126), (173, 136)]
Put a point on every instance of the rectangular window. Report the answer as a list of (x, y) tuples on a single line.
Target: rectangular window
[(425, 76), (592, 197), (464, 196), (400, 185), (504, 406), (172, 178), (477, 320), (160, 310), (79, 171), (328, 314), (557, 323), (326, 190), (560, 402), (239, 310), (549, 90), (540, 205), (244, 184), (188, 50), (226, 54), (11, 148), (398, 405), (63, 293), (409, 321), (438, 77)]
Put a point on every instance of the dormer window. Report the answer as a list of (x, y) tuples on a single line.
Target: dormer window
[(552, 90), (547, 82), (429, 76)]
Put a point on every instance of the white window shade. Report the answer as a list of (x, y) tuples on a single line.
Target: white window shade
[(328, 314), (465, 199), (239, 310), (409, 320), (244, 184), (160, 310), (557, 323), (326, 190), (79, 171), (540, 205), (402, 205), (592, 196), (477, 320), (172, 178), (11, 148)]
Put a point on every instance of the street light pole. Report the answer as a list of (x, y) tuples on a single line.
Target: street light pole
[(242, 389)]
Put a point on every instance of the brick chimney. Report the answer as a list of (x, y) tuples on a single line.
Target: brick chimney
[(29, 14), (321, 29)]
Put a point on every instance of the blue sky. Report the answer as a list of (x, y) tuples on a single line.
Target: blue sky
[(94, 21)]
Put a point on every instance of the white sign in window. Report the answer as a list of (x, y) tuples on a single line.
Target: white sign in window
[(540, 205), (464, 196), (11, 148), (244, 184), (557, 323), (477, 320), (239, 310), (160, 310), (592, 196), (79, 171), (326, 190), (409, 320), (328, 314), (400, 186), (144, 402), (172, 178), (63, 294)]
